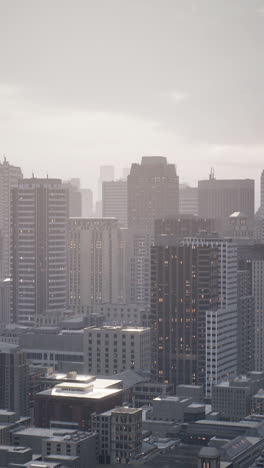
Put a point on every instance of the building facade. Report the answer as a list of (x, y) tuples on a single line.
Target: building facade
[(93, 262), (115, 200), (9, 178), (112, 349), (39, 248)]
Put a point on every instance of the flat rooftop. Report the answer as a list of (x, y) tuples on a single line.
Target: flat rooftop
[(126, 410)]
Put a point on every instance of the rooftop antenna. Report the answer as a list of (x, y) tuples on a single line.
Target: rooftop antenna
[(211, 175)]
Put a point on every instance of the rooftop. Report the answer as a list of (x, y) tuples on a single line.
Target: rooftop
[(126, 410)]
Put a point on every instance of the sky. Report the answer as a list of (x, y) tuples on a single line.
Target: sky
[(85, 83)]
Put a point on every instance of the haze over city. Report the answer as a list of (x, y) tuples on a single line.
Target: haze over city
[(89, 83)]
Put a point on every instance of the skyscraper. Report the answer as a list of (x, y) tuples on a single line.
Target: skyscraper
[(9, 177), (115, 200), (13, 379), (153, 191), (184, 286), (93, 262), (188, 200), (107, 174), (218, 199), (87, 202), (39, 256)]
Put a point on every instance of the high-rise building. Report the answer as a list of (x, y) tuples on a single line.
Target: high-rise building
[(184, 286), (39, 249), (9, 178), (221, 330), (93, 262), (75, 197), (115, 200), (5, 301), (153, 191), (87, 203), (246, 322), (218, 199), (107, 174), (14, 375), (188, 200), (251, 258)]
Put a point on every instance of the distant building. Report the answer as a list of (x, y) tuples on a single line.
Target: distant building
[(87, 203), (39, 248), (114, 199), (75, 197), (251, 259), (246, 322), (218, 199), (188, 200), (107, 174), (5, 301), (93, 262), (153, 191), (14, 374), (111, 349), (9, 178)]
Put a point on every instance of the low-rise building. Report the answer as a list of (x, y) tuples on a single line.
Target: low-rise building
[(232, 399), (120, 434), (75, 402)]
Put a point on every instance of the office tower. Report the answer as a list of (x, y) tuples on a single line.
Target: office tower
[(251, 258), (261, 209), (9, 178), (5, 301), (115, 200), (246, 322), (112, 349), (13, 379), (107, 174), (259, 221), (75, 197), (39, 252), (93, 262), (153, 191), (184, 285), (188, 200), (120, 435), (218, 199), (221, 331), (137, 244), (87, 203)]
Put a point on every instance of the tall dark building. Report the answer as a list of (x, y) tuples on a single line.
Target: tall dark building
[(14, 374), (153, 191), (184, 286), (39, 250), (246, 322), (218, 199)]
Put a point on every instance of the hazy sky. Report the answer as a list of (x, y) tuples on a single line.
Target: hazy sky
[(90, 82)]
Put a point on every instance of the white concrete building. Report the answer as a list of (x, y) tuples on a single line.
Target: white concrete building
[(112, 349)]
